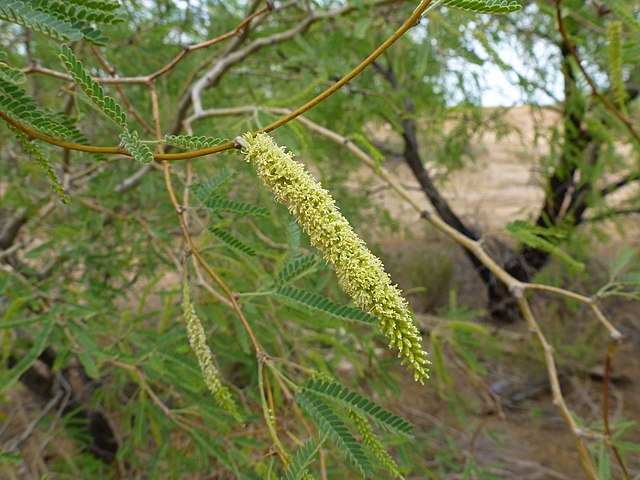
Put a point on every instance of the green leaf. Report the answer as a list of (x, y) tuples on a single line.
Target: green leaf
[(295, 269), (91, 88), (604, 468), (15, 102), (12, 457), (293, 238), (63, 20), (374, 445), (34, 151), (233, 206), (623, 9), (630, 278), (323, 304), (11, 377), (87, 11), (349, 398), (232, 241), (140, 151), (89, 365), (40, 21), (191, 142), (304, 456), (622, 260), (331, 425), (484, 6), (614, 64), (535, 237), (203, 191), (10, 74)]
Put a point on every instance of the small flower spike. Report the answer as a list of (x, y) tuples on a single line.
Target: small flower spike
[(360, 273)]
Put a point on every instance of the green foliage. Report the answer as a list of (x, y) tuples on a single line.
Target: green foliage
[(624, 277), (373, 444), (95, 281), (38, 20), (15, 102), (540, 238), (232, 241), (205, 190), (92, 89), (330, 424), (296, 268), (614, 51), (8, 379), (198, 342), (349, 398), (302, 459), (64, 21), (86, 10), (8, 73), (140, 151), (218, 203), (191, 142), (484, 6), (34, 151), (459, 334), (314, 301), (624, 10)]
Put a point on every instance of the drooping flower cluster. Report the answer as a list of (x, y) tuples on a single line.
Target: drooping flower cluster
[(360, 273), (198, 342)]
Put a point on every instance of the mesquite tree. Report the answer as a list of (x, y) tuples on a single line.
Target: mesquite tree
[(173, 314)]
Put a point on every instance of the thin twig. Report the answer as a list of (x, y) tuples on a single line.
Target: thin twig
[(268, 411), (556, 391), (145, 79), (125, 99), (605, 408)]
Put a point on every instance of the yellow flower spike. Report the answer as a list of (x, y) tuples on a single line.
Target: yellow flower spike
[(360, 273), (198, 342)]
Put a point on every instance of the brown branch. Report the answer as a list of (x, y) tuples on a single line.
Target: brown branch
[(618, 184), (125, 99), (196, 253), (232, 57), (616, 212), (145, 79), (556, 391), (605, 408)]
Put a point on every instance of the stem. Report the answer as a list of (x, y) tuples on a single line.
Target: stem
[(269, 414), (605, 408), (556, 391)]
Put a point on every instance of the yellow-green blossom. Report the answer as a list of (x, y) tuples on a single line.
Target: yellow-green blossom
[(360, 273), (198, 342), (370, 440)]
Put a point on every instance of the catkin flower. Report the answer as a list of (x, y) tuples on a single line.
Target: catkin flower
[(370, 440), (198, 342), (360, 273)]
